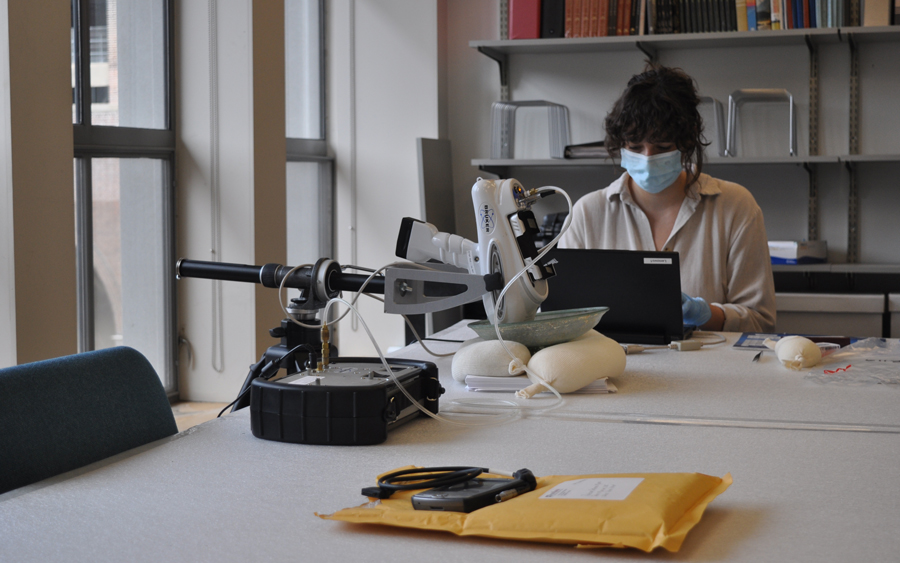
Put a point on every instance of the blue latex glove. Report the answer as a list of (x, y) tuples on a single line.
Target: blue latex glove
[(695, 310)]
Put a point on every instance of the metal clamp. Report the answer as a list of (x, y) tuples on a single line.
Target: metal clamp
[(771, 95)]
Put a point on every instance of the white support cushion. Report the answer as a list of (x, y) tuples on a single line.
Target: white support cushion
[(571, 365), (487, 357)]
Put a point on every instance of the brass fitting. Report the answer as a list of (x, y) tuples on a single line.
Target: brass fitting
[(326, 336)]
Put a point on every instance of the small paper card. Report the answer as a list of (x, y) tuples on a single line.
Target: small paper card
[(612, 488)]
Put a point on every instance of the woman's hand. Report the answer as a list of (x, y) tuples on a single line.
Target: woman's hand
[(695, 310)]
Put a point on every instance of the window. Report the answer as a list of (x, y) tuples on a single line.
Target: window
[(124, 152), (309, 170)]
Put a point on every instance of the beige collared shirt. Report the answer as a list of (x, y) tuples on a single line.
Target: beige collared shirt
[(719, 236)]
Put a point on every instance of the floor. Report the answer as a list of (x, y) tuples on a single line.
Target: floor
[(188, 414)]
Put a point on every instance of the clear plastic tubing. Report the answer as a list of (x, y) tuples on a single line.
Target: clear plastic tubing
[(636, 418)]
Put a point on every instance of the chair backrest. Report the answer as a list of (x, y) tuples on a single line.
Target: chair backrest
[(61, 414)]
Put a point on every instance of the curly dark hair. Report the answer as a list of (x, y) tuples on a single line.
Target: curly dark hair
[(660, 106)]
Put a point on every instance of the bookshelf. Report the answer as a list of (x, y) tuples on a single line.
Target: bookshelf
[(687, 40), (500, 50), (846, 162)]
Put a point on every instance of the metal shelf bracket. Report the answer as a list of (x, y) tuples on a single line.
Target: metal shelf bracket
[(502, 60), (650, 52), (853, 216), (812, 216)]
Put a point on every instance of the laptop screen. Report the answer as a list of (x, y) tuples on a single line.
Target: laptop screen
[(642, 290)]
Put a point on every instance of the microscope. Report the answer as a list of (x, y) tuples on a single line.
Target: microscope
[(328, 399)]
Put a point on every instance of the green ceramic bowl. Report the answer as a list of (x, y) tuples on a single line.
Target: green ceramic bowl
[(547, 328)]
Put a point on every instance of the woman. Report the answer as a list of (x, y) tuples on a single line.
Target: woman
[(664, 202)]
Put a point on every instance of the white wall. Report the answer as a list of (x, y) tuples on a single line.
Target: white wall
[(383, 93), (473, 83)]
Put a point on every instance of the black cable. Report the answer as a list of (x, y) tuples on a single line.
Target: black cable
[(410, 479), (262, 372), (238, 398)]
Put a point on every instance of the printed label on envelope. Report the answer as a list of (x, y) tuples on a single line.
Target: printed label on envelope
[(613, 488)]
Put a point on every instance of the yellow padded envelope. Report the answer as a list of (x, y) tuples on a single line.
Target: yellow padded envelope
[(640, 510)]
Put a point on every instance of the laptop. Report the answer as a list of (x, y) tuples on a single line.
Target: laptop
[(642, 290)]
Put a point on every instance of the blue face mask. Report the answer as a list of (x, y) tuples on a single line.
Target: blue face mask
[(652, 173)]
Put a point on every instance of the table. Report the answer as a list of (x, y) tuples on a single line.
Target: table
[(216, 493)]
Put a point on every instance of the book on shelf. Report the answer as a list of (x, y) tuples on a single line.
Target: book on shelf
[(776, 14), (763, 15), (876, 12), (585, 18), (612, 17), (603, 18), (662, 17), (751, 15), (624, 17), (599, 18), (642, 18), (576, 18), (524, 19), (586, 150), (638, 22), (678, 14), (553, 18)]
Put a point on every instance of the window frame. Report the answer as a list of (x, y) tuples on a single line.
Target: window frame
[(316, 150), (98, 141)]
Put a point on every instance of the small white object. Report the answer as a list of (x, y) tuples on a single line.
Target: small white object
[(594, 488), (795, 352), (488, 357), (305, 380)]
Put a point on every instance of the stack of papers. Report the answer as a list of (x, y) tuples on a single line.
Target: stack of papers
[(513, 384), (798, 252)]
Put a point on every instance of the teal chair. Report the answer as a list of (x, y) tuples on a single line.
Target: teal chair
[(61, 414)]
